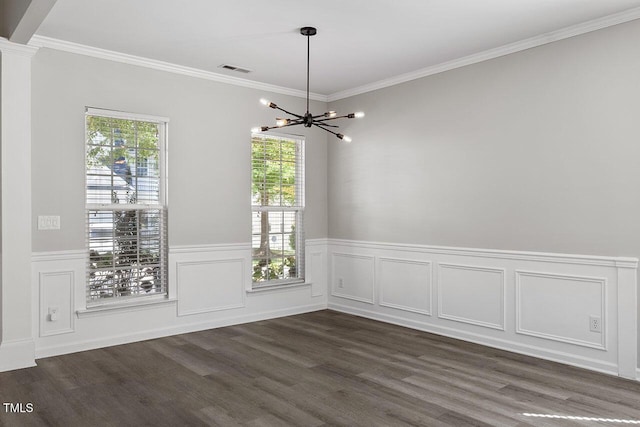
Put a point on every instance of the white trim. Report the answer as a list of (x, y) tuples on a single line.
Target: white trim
[(380, 285), (603, 307), (539, 40), (137, 304), (66, 46), (184, 249), (182, 312), (17, 49), (59, 256), (17, 354), (501, 271), (42, 297), (351, 297), (316, 291), (627, 325), (172, 330), (529, 350), (277, 287), (116, 114), (373, 277), (316, 242), (605, 261), (16, 290)]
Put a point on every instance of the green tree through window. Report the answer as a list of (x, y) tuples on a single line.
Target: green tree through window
[(277, 189)]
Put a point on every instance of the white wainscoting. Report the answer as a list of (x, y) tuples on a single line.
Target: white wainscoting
[(562, 319), (413, 293), (532, 303), (57, 279), (471, 294), (210, 285), (208, 288), (56, 302), (316, 266), (352, 277)]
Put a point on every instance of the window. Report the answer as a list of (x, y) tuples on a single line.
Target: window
[(125, 206), (277, 200)]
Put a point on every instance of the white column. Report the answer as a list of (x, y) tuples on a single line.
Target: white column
[(17, 348), (627, 319)]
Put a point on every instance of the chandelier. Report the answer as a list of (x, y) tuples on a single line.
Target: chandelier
[(307, 119)]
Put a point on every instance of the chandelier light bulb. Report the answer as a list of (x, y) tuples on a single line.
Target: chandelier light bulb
[(281, 122), (256, 130), (345, 138), (330, 114), (359, 115), (268, 103)]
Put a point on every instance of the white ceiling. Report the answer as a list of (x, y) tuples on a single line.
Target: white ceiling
[(360, 43)]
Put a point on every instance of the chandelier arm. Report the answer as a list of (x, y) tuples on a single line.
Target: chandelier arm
[(268, 128), (294, 123), (326, 116), (328, 119), (346, 116), (325, 124), (289, 112), (328, 130)]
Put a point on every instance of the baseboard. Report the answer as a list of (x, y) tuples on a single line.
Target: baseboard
[(17, 355), (164, 332), (554, 356)]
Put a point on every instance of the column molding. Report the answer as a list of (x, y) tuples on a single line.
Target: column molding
[(17, 348), (627, 322)]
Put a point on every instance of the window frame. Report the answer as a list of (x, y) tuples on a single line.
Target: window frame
[(298, 207), (161, 205)]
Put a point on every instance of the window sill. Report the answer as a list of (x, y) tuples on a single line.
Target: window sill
[(277, 287), (106, 309)]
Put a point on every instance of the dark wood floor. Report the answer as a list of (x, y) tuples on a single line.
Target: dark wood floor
[(322, 368)]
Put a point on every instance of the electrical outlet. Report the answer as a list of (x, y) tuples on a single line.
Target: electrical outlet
[(595, 324), (53, 314), (340, 283)]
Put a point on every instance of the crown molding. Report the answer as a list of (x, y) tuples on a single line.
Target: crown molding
[(71, 47), (19, 49), (553, 36), (564, 33)]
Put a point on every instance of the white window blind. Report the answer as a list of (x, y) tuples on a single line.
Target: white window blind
[(125, 206), (277, 200)]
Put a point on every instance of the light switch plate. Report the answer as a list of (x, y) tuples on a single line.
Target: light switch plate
[(48, 222)]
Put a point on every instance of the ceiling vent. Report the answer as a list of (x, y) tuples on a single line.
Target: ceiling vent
[(234, 68)]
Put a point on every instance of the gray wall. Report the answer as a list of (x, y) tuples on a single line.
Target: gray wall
[(209, 147), (537, 150)]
